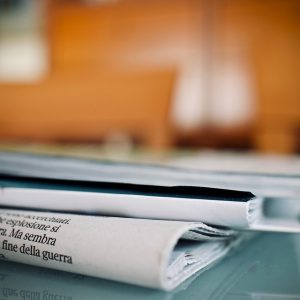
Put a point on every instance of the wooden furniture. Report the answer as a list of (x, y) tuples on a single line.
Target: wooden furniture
[(131, 50), (60, 109), (112, 70), (267, 35)]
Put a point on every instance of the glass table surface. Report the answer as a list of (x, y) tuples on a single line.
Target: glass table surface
[(266, 267)]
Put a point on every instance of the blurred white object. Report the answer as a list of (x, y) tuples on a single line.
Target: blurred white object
[(22, 59), (23, 46), (233, 101), (189, 107)]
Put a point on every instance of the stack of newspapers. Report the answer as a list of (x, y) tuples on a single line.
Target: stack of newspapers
[(149, 225)]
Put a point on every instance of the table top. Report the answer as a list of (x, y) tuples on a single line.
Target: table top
[(266, 267)]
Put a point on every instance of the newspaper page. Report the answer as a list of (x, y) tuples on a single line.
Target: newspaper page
[(151, 253), (182, 172)]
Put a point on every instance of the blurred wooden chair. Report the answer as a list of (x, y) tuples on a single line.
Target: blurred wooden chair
[(89, 107)]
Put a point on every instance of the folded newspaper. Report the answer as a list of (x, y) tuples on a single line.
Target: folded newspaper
[(151, 253), (236, 200), (140, 224)]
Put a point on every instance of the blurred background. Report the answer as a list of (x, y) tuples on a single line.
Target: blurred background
[(158, 74)]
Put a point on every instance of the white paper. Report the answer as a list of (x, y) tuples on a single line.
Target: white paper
[(268, 184), (136, 251), (233, 214)]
